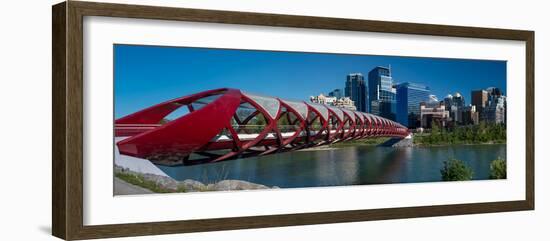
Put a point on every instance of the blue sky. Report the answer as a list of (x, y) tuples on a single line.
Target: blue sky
[(147, 75)]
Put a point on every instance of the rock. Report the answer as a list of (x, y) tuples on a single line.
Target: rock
[(192, 185), (120, 169), (227, 185), (161, 181)]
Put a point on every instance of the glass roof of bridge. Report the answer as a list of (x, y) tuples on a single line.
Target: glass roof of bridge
[(361, 116), (321, 109), (269, 104), (338, 112), (368, 117), (349, 113), (300, 107)]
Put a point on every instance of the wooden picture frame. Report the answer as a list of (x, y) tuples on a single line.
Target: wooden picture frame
[(67, 152)]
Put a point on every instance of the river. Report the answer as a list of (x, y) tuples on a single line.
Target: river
[(356, 165)]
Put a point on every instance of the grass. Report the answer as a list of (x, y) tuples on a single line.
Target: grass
[(361, 142), (147, 184), (220, 174)]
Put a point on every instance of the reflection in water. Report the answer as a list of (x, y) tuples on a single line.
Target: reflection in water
[(335, 168), (344, 166)]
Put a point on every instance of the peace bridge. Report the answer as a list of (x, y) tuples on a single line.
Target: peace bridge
[(224, 124)]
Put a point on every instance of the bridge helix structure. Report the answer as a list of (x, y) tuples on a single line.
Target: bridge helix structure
[(224, 124)]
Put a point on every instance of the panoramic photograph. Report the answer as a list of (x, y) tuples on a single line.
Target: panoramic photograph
[(189, 119)]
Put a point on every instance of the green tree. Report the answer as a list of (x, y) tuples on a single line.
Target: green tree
[(498, 169), (435, 133), (470, 134), (456, 170), (259, 121)]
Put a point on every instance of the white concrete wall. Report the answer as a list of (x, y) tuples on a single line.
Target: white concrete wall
[(135, 164)]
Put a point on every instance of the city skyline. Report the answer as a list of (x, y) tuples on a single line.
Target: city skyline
[(162, 73)]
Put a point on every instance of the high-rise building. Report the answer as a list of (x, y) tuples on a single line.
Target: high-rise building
[(448, 101), (433, 98), (479, 99), (455, 105), (495, 110), (409, 96), (470, 116), (356, 90), (433, 112), (336, 93), (381, 96), (490, 104), (494, 91)]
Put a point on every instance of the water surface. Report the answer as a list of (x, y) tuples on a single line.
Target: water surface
[(355, 165)]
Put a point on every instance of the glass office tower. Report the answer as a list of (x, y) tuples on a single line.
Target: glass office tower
[(381, 96), (336, 93), (356, 90), (409, 97)]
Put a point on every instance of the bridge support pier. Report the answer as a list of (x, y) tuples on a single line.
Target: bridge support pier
[(399, 142)]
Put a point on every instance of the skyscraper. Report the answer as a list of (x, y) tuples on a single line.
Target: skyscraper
[(470, 116), (455, 105), (479, 99), (494, 91), (495, 112), (336, 93), (356, 90), (490, 104), (495, 108), (381, 93), (409, 97)]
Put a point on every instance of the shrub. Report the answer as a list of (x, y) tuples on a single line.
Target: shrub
[(498, 169), (456, 170)]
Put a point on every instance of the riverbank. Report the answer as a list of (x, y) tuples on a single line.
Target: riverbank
[(319, 148), (417, 142), (481, 134), (426, 140), (360, 142), (131, 182), (459, 144)]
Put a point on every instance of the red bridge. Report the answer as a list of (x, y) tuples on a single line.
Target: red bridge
[(225, 124)]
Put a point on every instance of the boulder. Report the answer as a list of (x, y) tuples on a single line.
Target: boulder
[(227, 185), (190, 185)]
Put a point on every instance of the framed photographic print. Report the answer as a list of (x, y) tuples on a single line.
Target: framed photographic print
[(170, 120)]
